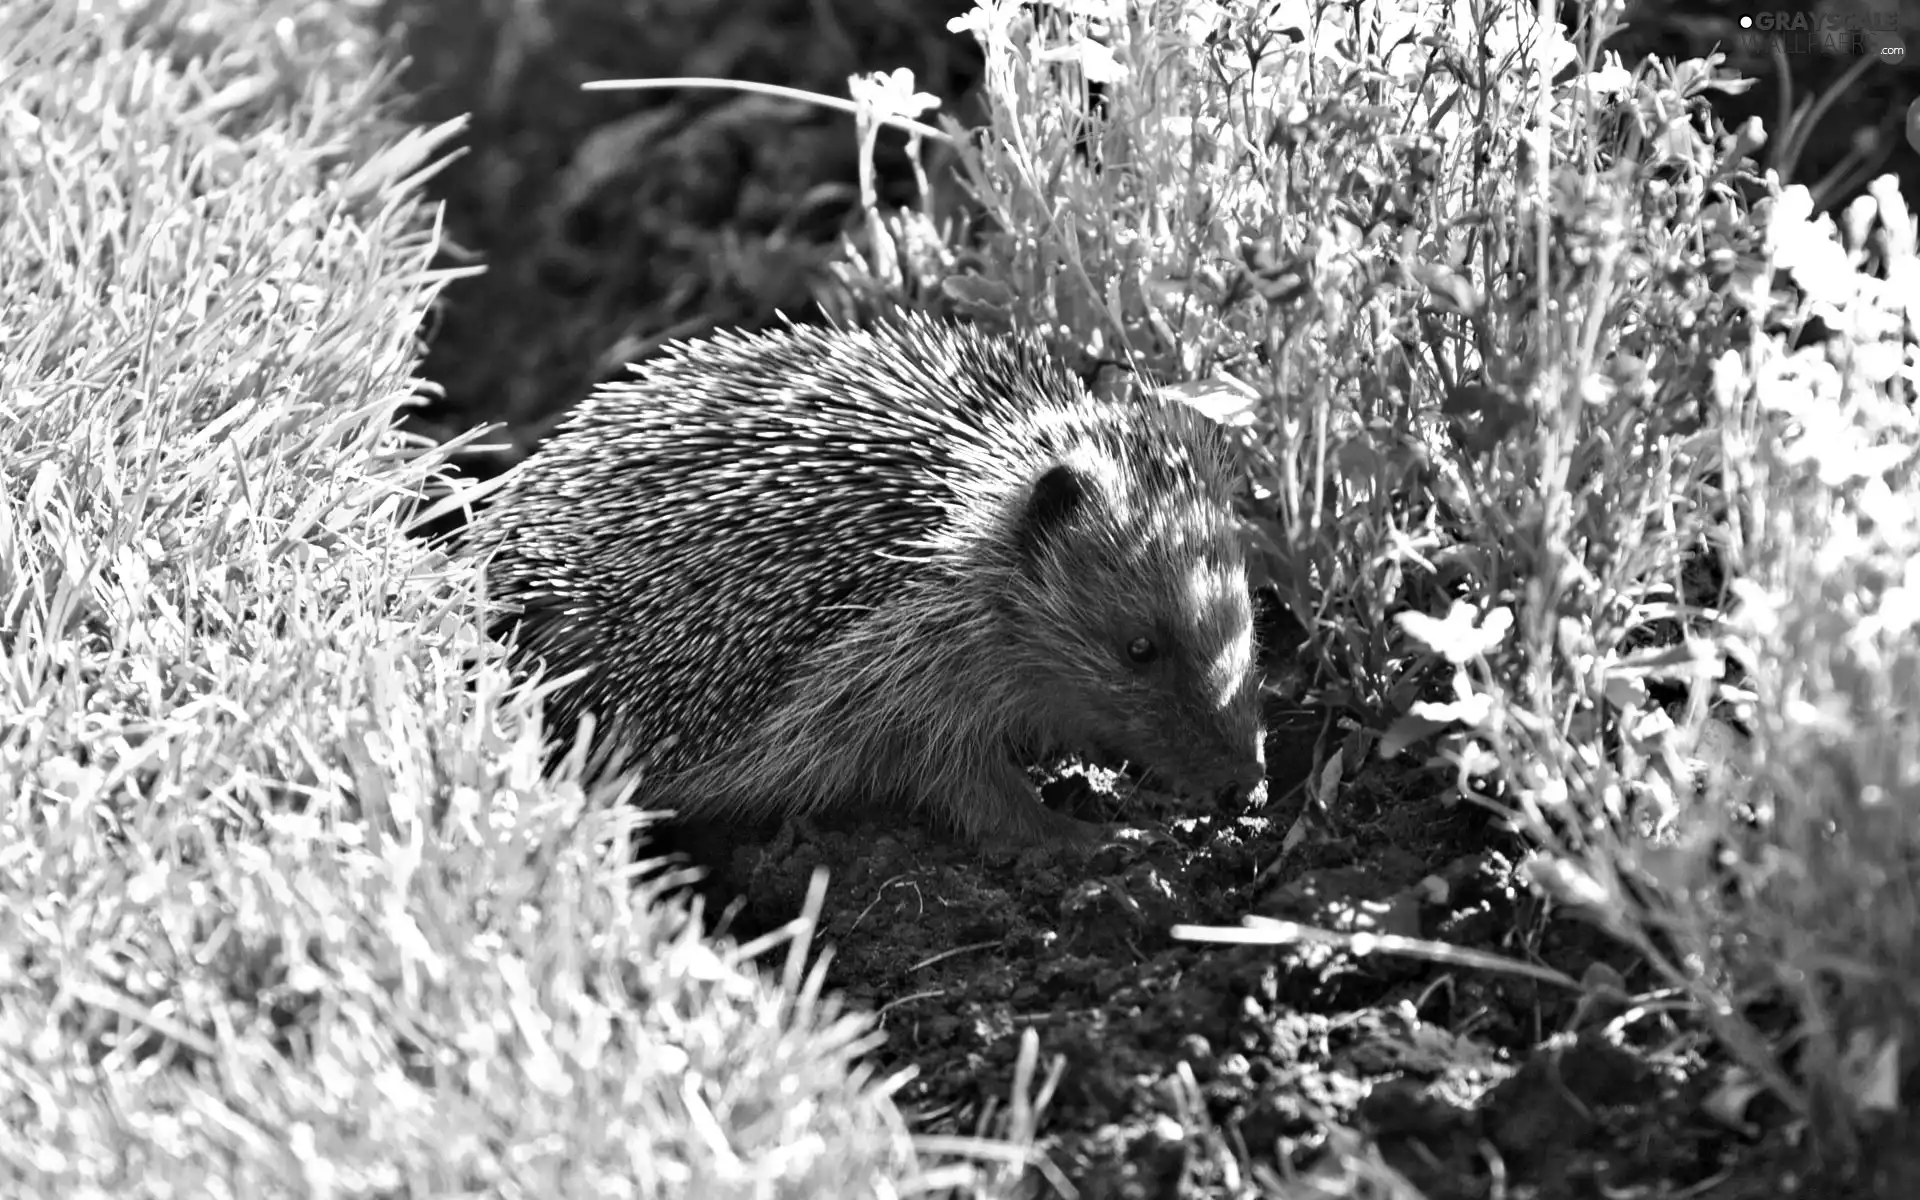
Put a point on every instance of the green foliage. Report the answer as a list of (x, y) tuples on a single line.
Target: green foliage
[(1544, 449), (286, 908)]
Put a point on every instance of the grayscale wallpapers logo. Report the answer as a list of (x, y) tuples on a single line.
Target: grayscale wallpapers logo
[(1864, 30)]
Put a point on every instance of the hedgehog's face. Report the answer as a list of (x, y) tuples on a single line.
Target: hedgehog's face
[(1135, 621)]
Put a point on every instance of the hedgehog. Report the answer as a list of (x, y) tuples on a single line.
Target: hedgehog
[(891, 565)]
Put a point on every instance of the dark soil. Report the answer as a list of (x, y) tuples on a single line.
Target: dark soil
[(1185, 1062), (609, 222)]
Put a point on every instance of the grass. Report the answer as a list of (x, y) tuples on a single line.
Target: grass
[(1588, 458), (286, 907)]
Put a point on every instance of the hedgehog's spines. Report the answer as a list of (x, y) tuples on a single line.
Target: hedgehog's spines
[(834, 563)]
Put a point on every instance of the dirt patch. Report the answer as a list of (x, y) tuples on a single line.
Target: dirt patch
[(1171, 1046), (1184, 1061)]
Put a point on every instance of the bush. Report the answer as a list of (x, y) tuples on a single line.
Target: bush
[(1581, 451)]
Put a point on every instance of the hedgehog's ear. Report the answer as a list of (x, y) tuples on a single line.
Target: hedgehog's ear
[(1056, 501)]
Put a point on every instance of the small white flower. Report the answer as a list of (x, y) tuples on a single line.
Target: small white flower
[(891, 94)]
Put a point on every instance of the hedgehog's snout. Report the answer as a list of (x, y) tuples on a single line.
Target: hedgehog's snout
[(1247, 776), (1212, 764), (1199, 728), (1234, 759), (1244, 768)]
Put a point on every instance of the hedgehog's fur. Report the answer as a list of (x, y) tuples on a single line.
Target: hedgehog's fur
[(895, 564)]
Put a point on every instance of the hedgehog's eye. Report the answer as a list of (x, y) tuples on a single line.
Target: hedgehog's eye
[(1142, 651)]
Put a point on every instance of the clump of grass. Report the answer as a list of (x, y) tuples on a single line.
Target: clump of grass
[(1544, 455), (286, 906)]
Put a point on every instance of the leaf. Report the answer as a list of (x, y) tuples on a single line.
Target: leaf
[(1450, 290), (1409, 731)]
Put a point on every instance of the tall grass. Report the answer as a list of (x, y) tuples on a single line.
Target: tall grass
[(286, 908)]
